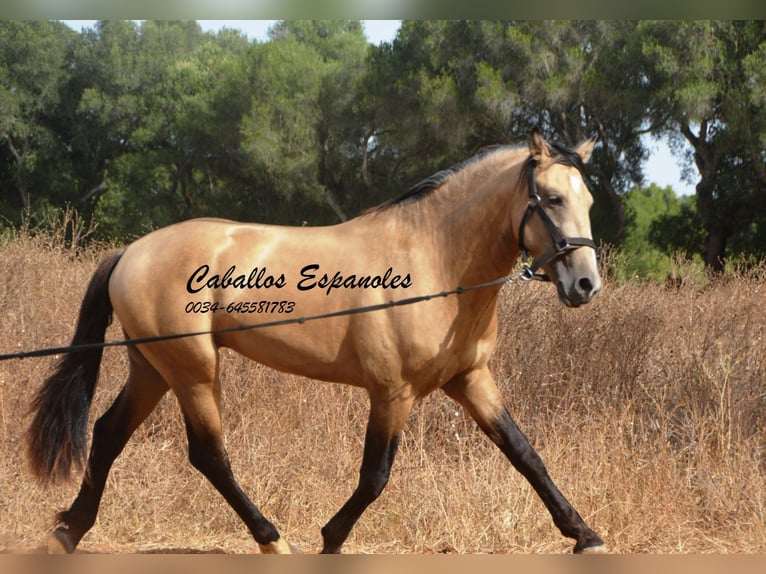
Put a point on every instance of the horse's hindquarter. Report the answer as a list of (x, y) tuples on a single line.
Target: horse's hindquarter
[(204, 275)]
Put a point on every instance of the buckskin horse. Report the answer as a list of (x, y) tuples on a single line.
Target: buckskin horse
[(463, 226)]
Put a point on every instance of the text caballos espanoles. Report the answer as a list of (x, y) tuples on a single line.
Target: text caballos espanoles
[(310, 277)]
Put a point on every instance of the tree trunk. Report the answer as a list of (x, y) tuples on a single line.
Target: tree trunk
[(96, 191), (20, 157), (715, 250), (327, 195), (707, 159), (615, 200)]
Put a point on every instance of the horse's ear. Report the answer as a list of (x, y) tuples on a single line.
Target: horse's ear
[(538, 149), (585, 149)]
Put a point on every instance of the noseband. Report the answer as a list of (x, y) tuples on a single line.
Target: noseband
[(560, 245)]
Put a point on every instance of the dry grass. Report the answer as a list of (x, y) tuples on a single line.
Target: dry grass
[(648, 407)]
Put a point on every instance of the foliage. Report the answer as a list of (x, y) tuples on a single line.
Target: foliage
[(295, 131), (32, 64), (706, 82), (644, 246), (141, 125)]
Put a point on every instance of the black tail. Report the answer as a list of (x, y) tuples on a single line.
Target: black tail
[(57, 436)]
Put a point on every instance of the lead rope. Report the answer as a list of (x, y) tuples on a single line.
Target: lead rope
[(291, 321)]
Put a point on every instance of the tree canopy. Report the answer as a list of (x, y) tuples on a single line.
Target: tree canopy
[(141, 125)]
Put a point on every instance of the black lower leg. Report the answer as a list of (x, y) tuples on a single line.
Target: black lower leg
[(519, 451), (211, 460), (373, 477), (108, 441)]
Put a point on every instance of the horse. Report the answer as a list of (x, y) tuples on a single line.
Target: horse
[(466, 225)]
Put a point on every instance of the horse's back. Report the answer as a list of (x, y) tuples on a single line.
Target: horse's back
[(209, 274)]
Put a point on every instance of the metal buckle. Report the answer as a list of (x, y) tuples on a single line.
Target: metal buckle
[(563, 246), (526, 274)]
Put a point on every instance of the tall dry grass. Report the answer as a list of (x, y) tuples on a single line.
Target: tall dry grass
[(648, 407)]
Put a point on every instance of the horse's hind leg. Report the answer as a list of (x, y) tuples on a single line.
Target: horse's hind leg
[(139, 396), (477, 392), (200, 405)]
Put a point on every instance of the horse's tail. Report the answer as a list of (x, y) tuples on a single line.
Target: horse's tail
[(57, 435)]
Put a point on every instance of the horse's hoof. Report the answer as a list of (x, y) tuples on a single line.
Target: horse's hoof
[(277, 547), (59, 543), (597, 549)]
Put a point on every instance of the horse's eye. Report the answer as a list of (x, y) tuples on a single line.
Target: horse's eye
[(555, 201)]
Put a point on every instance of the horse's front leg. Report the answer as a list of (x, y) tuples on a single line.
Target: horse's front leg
[(387, 418), (478, 394)]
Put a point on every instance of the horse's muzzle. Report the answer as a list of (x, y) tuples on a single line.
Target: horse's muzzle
[(580, 291)]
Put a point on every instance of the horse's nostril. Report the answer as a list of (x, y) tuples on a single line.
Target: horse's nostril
[(585, 284)]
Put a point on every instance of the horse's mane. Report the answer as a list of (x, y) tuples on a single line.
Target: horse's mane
[(430, 184), (560, 154)]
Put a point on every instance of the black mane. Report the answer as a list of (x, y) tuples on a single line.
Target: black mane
[(430, 184), (568, 156), (561, 153)]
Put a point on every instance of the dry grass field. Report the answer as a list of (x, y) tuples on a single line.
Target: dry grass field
[(648, 407)]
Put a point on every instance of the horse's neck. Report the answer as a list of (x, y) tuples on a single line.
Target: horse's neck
[(476, 222), (467, 223)]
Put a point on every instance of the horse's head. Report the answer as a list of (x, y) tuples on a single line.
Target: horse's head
[(555, 228)]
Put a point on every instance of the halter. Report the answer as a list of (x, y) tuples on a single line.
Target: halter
[(560, 245)]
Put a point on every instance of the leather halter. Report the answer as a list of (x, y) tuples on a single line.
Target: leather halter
[(561, 244)]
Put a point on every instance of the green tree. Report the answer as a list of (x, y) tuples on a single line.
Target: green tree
[(707, 76), (32, 69), (102, 110), (582, 78), (658, 225), (296, 132), (447, 88), (431, 98), (158, 119), (145, 124)]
